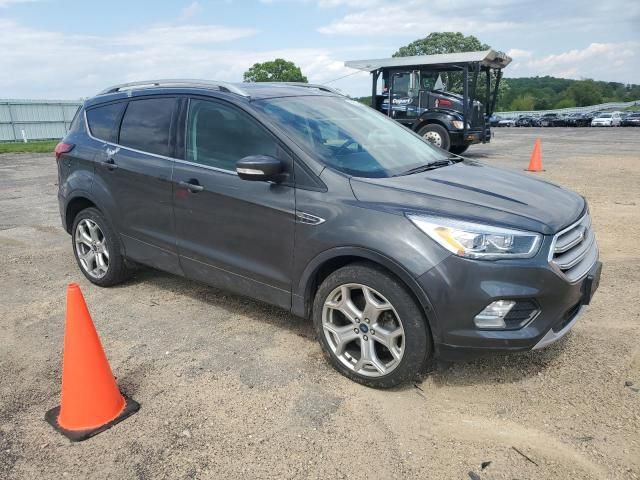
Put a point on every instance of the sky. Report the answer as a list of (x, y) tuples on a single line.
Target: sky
[(69, 49)]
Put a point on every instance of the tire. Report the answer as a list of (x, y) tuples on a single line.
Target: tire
[(98, 252), (458, 149), (435, 133), (373, 293)]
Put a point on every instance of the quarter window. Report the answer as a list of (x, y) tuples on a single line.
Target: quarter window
[(102, 121), (219, 135), (146, 125)]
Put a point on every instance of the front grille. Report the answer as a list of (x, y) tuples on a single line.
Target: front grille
[(574, 250)]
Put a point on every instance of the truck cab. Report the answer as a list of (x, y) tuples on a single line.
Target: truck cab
[(414, 92)]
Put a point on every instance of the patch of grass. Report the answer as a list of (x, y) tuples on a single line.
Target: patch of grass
[(41, 146)]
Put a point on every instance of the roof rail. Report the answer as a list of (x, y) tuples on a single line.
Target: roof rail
[(324, 88), (222, 86)]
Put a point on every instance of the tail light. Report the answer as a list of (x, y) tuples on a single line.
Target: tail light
[(443, 102), (63, 148)]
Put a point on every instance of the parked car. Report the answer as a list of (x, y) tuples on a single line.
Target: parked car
[(552, 120), (507, 122), (295, 196), (578, 120), (527, 121), (494, 120), (631, 120), (606, 120)]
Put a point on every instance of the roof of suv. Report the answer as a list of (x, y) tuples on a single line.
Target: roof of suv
[(247, 91)]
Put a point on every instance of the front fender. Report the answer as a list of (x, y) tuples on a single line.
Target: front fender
[(302, 296), (443, 117)]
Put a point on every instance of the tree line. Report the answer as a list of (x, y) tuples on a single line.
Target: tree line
[(545, 93)]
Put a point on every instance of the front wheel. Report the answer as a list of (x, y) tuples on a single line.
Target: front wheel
[(436, 134), (370, 328)]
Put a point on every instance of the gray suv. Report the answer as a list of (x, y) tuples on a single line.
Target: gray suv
[(299, 197)]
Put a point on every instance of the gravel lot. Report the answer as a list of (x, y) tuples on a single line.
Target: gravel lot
[(230, 387)]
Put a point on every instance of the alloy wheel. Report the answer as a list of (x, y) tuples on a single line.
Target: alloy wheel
[(363, 330), (91, 248)]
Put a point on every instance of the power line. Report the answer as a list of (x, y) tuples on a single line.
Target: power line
[(340, 78)]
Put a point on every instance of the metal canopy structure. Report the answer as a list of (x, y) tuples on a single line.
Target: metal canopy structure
[(486, 59)]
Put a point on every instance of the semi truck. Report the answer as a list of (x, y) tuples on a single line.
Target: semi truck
[(420, 93)]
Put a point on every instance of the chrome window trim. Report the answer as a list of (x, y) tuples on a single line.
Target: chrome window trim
[(173, 159), (113, 144)]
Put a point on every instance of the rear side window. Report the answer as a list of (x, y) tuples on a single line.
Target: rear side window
[(146, 125), (102, 121)]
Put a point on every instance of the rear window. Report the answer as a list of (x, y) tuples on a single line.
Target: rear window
[(146, 125), (102, 121)]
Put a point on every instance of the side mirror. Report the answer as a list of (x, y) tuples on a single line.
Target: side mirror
[(258, 167)]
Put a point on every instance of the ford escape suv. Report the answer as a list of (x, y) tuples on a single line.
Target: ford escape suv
[(297, 196)]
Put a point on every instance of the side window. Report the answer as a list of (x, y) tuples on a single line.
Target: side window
[(219, 135), (146, 125), (102, 121)]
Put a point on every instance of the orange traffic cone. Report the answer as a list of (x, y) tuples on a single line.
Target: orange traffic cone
[(535, 164), (91, 401)]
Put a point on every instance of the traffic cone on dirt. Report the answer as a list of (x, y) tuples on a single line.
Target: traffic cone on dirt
[(91, 401), (535, 163)]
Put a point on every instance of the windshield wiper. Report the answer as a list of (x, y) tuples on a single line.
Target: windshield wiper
[(427, 166)]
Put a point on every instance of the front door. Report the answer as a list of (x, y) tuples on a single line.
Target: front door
[(232, 233)]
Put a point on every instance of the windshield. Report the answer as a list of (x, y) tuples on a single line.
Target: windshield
[(349, 136), (605, 115)]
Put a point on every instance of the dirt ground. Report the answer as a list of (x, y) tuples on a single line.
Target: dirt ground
[(231, 388)]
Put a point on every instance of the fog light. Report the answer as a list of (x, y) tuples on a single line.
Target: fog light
[(493, 314)]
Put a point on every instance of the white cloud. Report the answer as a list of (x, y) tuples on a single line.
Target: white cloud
[(414, 18), (518, 53), (190, 11), (601, 61), (162, 35), (47, 64)]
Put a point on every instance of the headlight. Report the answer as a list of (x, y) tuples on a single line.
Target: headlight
[(475, 240), (459, 124)]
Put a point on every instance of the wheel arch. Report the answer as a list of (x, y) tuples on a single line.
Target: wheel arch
[(331, 260), (74, 206)]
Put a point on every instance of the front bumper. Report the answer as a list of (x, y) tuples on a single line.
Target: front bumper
[(458, 137), (461, 288)]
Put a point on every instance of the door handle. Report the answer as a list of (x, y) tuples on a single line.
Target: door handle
[(192, 185), (110, 164)]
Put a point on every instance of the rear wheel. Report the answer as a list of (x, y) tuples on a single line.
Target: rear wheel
[(97, 249), (370, 328), (436, 134), (458, 149)]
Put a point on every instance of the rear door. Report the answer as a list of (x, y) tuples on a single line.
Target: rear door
[(136, 170), (233, 233)]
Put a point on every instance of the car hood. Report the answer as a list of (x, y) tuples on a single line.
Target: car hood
[(478, 192)]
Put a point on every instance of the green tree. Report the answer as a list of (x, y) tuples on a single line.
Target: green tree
[(585, 92), (278, 70), (565, 103), (523, 102), (442, 42)]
